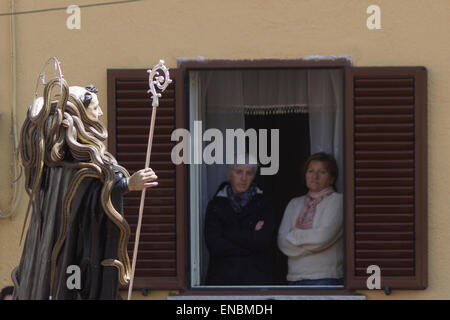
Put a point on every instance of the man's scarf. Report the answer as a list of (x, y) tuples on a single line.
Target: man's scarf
[(240, 200)]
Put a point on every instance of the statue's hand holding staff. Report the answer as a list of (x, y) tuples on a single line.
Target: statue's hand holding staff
[(142, 179)]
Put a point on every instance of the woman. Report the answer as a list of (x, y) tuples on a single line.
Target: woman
[(311, 231), (239, 225)]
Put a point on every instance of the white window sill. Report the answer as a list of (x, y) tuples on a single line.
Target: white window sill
[(269, 297)]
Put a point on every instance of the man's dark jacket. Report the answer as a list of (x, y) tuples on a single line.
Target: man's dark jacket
[(239, 255)]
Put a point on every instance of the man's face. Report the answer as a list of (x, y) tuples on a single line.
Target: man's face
[(241, 177), (93, 110)]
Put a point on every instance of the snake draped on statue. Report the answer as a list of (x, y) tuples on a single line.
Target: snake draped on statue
[(75, 188)]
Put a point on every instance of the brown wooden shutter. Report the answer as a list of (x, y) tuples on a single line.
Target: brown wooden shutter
[(161, 256), (386, 176)]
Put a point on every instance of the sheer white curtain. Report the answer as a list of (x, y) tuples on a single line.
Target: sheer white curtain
[(326, 115), (275, 91), (229, 95), (224, 98), (219, 94)]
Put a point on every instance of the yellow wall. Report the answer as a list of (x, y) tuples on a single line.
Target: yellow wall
[(138, 34)]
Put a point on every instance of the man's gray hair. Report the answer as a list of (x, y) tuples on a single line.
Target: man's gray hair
[(247, 159)]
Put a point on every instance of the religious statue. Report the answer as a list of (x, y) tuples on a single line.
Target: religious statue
[(75, 188)]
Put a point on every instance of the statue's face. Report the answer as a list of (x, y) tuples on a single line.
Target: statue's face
[(93, 110)]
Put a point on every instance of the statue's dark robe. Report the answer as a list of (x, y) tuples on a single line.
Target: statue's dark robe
[(91, 238)]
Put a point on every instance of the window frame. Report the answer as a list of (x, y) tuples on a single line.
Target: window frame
[(220, 64)]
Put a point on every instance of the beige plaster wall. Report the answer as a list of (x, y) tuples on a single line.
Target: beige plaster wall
[(138, 34)]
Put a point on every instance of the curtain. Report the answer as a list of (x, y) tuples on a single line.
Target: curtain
[(231, 95), (219, 95), (326, 115)]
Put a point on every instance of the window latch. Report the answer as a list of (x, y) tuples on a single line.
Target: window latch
[(387, 290)]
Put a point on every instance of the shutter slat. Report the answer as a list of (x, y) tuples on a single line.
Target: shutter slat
[(141, 94), (384, 164), (144, 103), (377, 200), (144, 112), (135, 201), (384, 218), (138, 83), (157, 254), (386, 191), (386, 110), (373, 236), (383, 91), (140, 156), (159, 273), (384, 137), (383, 226), (144, 121), (159, 192), (162, 173), (156, 263), (143, 130), (365, 101), (383, 118), (155, 227), (362, 82), (384, 254), (141, 147), (385, 155), (388, 173), (155, 165), (383, 182), (385, 245), (133, 138), (383, 208), (389, 127), (153, 210), (387, 272), (151, 218), (153, 237), (165, 246), (385, 263), (384, 146)]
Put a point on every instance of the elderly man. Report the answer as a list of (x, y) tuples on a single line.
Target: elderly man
[(239, 226)]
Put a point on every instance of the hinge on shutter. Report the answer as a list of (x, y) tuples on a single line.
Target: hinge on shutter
[(387, 290), (144, 292)]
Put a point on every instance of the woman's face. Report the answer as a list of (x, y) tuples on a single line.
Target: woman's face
[(93, 110), (241, 177), (317, 176)]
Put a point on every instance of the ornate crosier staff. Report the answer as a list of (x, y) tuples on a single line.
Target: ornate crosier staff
[(161, 82)]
